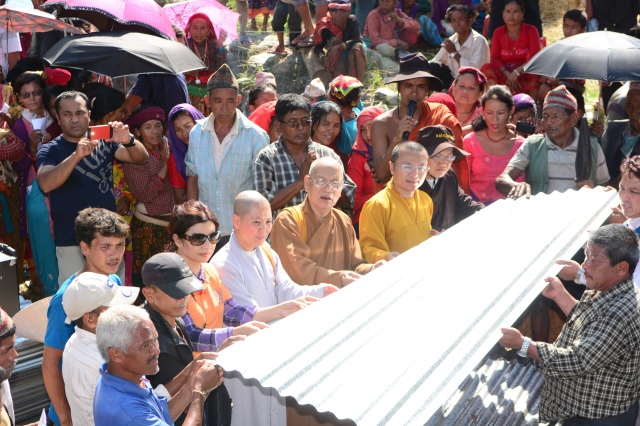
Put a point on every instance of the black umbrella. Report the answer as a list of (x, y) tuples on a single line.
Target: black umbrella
[(599, 55), (117, 54)]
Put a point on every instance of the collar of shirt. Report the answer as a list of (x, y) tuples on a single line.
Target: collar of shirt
[(574, 143), (605, 296), (86, 336), (633, 223), (124, 385), (210, 121), (468, 43)]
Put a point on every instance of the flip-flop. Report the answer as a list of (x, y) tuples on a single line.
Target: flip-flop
[(282, 53), (307, 42), (244, 40), (298, 39)]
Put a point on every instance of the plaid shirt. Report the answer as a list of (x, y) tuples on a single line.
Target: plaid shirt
[(274, 169), (210, 339), (593, 368)]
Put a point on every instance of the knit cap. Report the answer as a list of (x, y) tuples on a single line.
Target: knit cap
[(342, 85), (560, 97), (6, 324), (223, 78)]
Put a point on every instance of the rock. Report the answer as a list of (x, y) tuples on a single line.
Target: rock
[(291, 74), (387, 96), (389, 67), (261, 62)]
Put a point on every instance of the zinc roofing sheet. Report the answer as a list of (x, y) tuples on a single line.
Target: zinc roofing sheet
[(391, 348)]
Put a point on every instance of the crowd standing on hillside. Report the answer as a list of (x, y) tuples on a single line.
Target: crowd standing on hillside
[(192, 209)]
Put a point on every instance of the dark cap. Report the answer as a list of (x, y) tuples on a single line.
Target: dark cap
[(171, 274), (438, 138)]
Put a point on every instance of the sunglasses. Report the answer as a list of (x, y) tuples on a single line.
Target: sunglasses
[(27, 95), (199, 239)]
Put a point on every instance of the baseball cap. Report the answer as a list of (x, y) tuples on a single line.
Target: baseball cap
[(171, 274), (438, 138), (89, 291)]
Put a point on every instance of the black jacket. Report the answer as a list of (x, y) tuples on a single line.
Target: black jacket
[(450, 203)]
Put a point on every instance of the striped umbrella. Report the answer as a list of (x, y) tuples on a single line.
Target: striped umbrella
[(19, 20)]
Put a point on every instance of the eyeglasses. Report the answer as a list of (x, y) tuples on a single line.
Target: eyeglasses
[(322, 184), (444, 158), (27, 95), (199, 239), (408, 168), (594, 259), (294, 124)]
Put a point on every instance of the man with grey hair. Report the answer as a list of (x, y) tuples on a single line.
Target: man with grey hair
[(128, 340), (222, 147), (86, 298), (398, 217), (592, 370)]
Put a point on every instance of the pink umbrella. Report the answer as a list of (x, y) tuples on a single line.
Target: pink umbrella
[(113, 15), (224, 20)]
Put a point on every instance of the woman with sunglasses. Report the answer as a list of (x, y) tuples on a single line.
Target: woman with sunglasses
[(212, 314)]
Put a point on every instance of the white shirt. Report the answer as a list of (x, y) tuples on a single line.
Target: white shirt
[(6, 399), (9, 43), (633, 224), (80, 371), (220, 147), (474, 52)]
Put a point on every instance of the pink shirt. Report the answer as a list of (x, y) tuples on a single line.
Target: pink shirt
[(484, 168), (513, 53)]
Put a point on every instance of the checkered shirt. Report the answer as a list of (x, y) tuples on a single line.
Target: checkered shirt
[(593, 368), (274, 169)]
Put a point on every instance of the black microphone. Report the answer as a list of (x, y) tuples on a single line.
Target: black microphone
[(411, 108)]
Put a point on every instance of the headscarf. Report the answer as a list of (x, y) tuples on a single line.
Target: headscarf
[(144, 115), (342, 85), (179, 148), (361, 147), (339, 5), (481, 79), (326, 23), (187, 29), (263, 115)]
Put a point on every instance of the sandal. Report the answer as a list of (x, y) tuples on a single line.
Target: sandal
[(282, 52), (244, 40), (306, 42)]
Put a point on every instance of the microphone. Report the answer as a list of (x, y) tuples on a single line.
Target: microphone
[(411, 108)]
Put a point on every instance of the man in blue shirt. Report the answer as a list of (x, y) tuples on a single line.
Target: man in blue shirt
[(78, 173), (128, 340), (101, 236)]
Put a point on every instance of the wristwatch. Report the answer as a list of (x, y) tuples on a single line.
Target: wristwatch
[(132, 142), (578, 276), (453, 54), (525, 347)]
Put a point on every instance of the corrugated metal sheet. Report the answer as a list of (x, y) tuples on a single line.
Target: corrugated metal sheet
[(392, 347), (27, 386)]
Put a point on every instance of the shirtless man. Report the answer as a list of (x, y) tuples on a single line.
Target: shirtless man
[(414, 82)]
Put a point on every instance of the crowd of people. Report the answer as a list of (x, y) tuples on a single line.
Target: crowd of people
[(168, 224)]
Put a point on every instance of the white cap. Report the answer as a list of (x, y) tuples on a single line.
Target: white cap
[(315, 89), (89, 291)]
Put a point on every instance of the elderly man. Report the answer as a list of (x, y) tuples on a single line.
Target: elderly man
[(316, 242), (101, 236), (549, 160), (254, 275), (592, 370), (128, 341), (398, 217), (86, 298), (389, 129), (280, 168), (222, 148), (450, 203), (77, 173), (8, 360)]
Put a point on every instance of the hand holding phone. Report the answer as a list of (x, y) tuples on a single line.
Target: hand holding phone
[(96, 133), (525, 128)]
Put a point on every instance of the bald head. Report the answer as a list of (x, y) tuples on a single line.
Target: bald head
[(324, 163), (247, 200)]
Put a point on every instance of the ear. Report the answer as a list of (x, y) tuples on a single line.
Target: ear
[(177, 240), (622, 268), (391, 167), (115, 356), (236, 221), (84, 248), (307, 183), (147, 292), (239, 98), (136, 133)]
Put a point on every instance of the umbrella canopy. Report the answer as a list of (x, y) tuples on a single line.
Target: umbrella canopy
[(118, 54), (20, 20), (113, 15), (223, 19), (599, 55)]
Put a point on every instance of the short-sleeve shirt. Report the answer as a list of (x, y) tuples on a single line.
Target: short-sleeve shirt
[(9, 43), (58, 332), (89, 185), (120, 402)]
